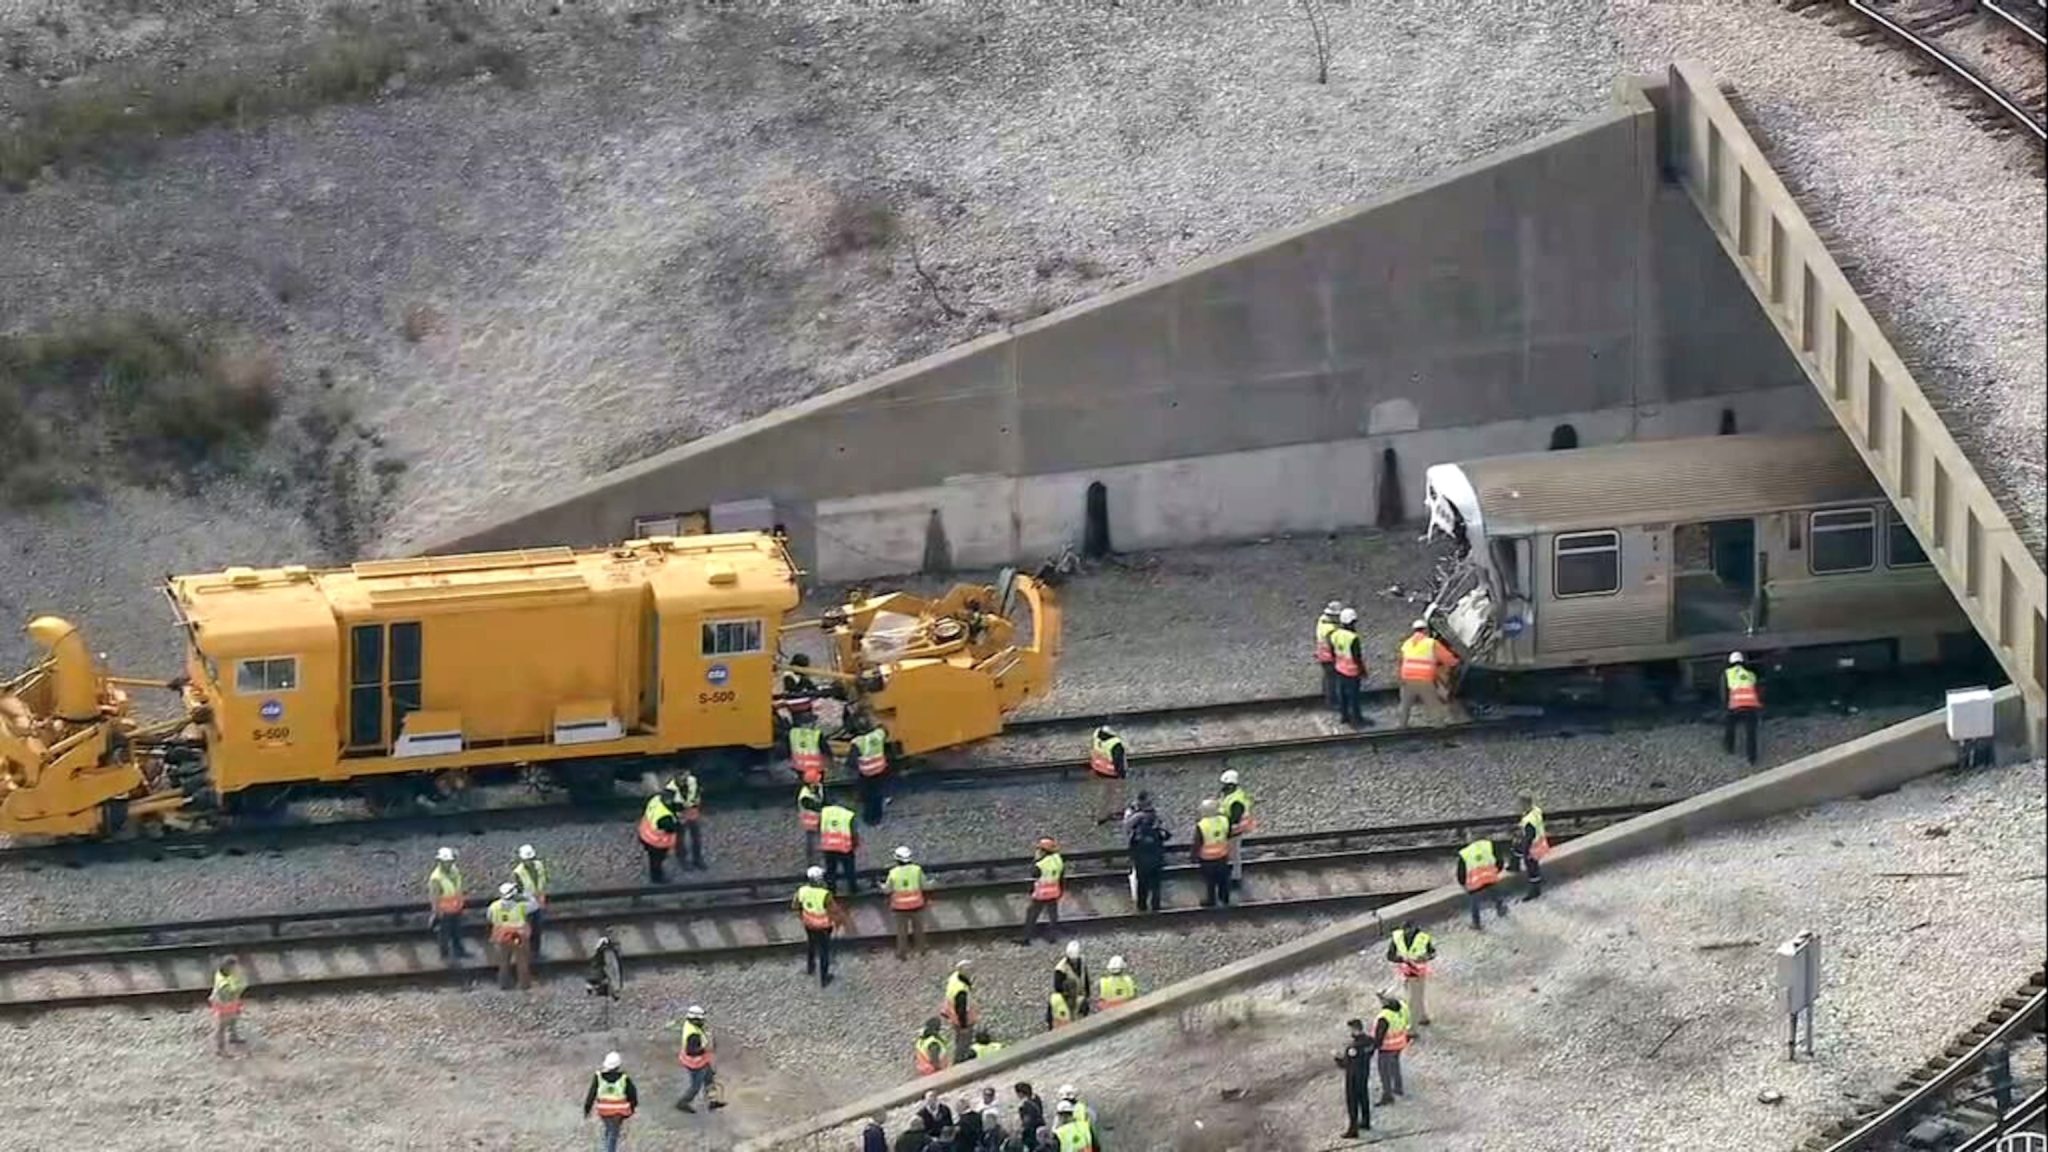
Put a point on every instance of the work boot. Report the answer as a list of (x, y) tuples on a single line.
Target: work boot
[(686, 1106), (1531, 894), (717, 1104), (1349, 1134), (1384, 1101)]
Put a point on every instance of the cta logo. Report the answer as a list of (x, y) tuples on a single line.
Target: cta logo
[(272, 711)]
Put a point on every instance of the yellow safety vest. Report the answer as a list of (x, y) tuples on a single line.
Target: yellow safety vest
[(1051, 868), (1742, 693), (651, 833), (1214, 833), (683, 1057), (804, 750), (931, 1054), (1102, 757), (979, 1049), (1237, 796), (835, 829), (814, 905), (955, 985), (906, 887), (1075, 1136), (611, 1096), (1062, 1013), (807, 814), (1325, 653), (532, 876), (1114, 989), (1481, 868), (227, 989), (871, 749), (1413, 950), (1344, 650), (508, 912), (444, 886)]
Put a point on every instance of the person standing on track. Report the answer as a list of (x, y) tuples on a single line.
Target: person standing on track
[(613, 1097), (1211, 851), (957, 1007), (445, 901), (1108, 769), (657, 835), (1744, 703), (225, 1004), (1236, 805), (799, 697), (810, 800), (1532, 844), (1326, 655), (1147, 839), (837, 842), (1389, 1040), (1410, 950), (686, 799), (531, 874), (820, 913), (1479, 874), (1048, 884), (1348, 662), (907, 901), (1070, 978), (868, 756), (1356, 1060), (1426, 664), (508, 936), (697, 1057)]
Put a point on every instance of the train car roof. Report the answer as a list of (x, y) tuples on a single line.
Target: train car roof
[(1666, 481), (747, 569)]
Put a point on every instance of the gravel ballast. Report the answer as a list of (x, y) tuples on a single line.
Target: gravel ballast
[(1597, 1018)]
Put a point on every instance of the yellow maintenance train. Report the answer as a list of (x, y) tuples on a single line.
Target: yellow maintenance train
[(585, 664)]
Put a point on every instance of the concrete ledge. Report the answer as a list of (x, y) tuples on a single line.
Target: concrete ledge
[(1872, 764)]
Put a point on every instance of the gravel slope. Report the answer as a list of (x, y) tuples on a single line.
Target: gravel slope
[(1544, 1025)]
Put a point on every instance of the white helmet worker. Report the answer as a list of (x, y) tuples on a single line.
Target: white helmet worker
[(445, 855), (1209, 805), (903, 854), (1420, 626), (694, 1012), (1735, 657), (1073, 949), (962, 964), (1229, 778), (1348, 616), (1069, 1093), (507, 888), (1116, 963), (814, 873), (612, 1061), (1333, 607), (526, 852), (1065, 1107)]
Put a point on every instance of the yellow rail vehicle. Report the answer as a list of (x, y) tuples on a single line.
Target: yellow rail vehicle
[(580, 662)]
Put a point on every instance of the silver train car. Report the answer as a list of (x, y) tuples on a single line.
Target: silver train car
[(1656, 559)]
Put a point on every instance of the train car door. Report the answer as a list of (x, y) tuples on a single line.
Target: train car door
[(1714, 577)]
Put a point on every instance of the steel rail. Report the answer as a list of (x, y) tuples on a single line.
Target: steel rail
[(2024, 28), (2027, 1115), (2005, 103)]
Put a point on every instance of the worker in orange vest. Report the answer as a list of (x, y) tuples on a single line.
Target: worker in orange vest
[(1326, 656), (1745, 705), (810, 801), (820, 912), (1479, 875), (1390, 1038), (1048, 884), (612, 1095), (697, 1058), (1347, 660), (930, 1055), (1532, 845), (1426, 664), (657, 834)]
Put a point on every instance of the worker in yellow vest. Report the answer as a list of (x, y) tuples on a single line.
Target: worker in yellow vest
[(837, 843), (697, 1058), (508, 936), (1236, 805), (1070, 978), (225, 1004), (1326, 654), (929, 1053), (1048, 884), (445, 901), (821, 913), (1532, 844), (1347, 661), (1390, 1039), (613, 1097), (1211, 850), (1745, 706), (957, 1007), (1108, 770), (907, 901), (1479, 875), (530, 872), (1059, 1011), (686, 798), (868, 755), (657, 835), (1410, 950), (1426, 664), (982, 1046), (1117, 986), (810, 800), (1073, 1132)]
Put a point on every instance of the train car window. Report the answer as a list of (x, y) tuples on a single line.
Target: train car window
[(1844, 540), (405, 673), (1901, 548), (1586, 564), (731, 637), (276, 674), (366, 686)]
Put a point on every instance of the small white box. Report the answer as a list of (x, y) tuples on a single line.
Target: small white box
[(1970, 714)]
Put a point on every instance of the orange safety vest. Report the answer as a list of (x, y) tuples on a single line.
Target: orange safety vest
[(683, 1057), (445, 881), (1213, 832), (1046, 886), (651, 833), (1539, 839), (871, 749), (611, 1097), (1742, 693), (835, 829), (805, 816), (814, 906), (930, 1054), (1102, 756), (806, 752), (1419, 655), (1324, 627), (1344, 647), (907, 896), (1397, 1030), (1481, 869)]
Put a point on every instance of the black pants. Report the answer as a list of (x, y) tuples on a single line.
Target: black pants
[(1330, 685), (818, 954), (1357, 1102), (689, 833), (874, 794), (655, 859), (1746, 719), (836, 865), (1149, 882), (1040, 912), (1532, 871), (1215, 883), (536, 920), (448, 936), (1348, 707)]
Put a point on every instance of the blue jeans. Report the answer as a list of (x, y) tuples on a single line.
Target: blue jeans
[(612, 1127), (1490, 892), (700, 1079)]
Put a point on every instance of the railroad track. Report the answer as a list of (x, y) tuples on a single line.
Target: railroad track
[(1990, 52), (1949, 1103), (350, 948)]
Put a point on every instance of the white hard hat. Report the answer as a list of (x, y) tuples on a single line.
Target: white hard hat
[(1068, 1092), (507, 888), (1073, 949), (1209, 804), (1064, 1107), (526, 852), (1333, 607), (814, 873), (694, 1012), (1420, 625), (1116, 963), (903, 852), (612, 1062), (962, 964), (444, 855), (1735, 657), (1229, 776), (1348, 616)]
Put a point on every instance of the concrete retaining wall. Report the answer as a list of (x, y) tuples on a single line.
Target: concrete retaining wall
[(1873, 764), (1558, 282)]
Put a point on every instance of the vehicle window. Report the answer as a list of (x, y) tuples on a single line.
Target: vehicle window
[(1844, 540), (1901, 548), (274, 674), (1586, 564), (731, 637)]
